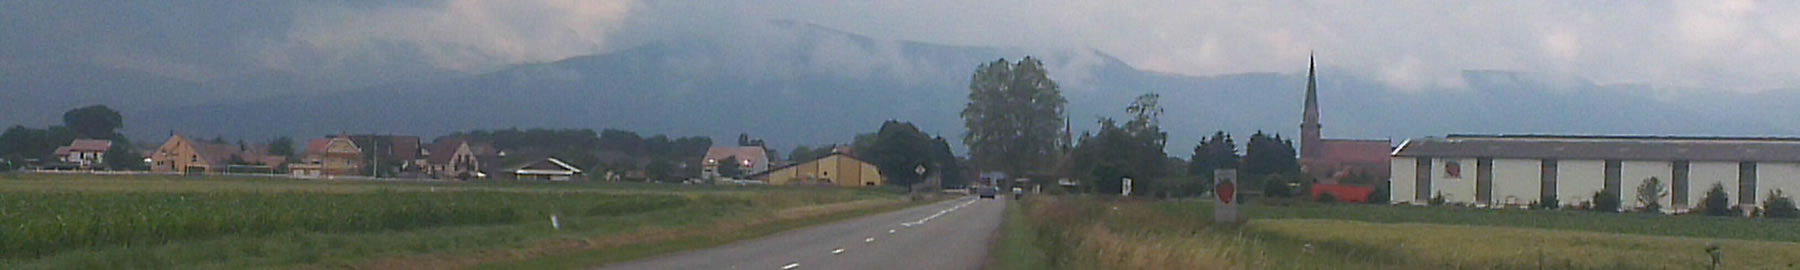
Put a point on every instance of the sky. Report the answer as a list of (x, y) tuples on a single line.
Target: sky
[(1728, 45)]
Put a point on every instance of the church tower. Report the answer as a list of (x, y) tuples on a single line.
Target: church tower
[(1309, 124)]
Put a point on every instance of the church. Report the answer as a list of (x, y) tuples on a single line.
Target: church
[(1334, 161)]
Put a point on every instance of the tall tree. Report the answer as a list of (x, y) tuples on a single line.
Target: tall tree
[(1266, 154), (730, 168), (281, 146), (94, 122), (1216, 152), (1133, 150), (1012, 117), (899, 150)]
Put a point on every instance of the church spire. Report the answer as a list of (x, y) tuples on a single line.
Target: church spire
[(1309, 125)]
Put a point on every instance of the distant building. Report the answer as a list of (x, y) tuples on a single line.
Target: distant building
[(181, 155), (455, 158), (548, 169), (334, 156), (1515, 170), (1333, 160), (751, 160), (84, 153), (836, 169)]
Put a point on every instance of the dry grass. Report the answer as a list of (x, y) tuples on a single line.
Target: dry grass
[(1487, 247), (1087, 233)]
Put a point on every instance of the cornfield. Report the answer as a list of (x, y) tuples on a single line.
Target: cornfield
[(37, 224)]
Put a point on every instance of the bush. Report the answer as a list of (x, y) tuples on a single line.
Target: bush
[(1606, 201), (1650, 194), (1437, 199), (1548, 202), (1779, 206), (1716, 202), (1381, 194)]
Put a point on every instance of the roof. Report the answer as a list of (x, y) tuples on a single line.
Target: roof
[(548, 166), (791, 165), (87, 145), (317, 146), (441, 151), (751, 153), (1356, 151), (399, 147), (1605, 147)]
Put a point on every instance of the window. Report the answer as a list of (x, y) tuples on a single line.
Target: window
[(1452, 169)]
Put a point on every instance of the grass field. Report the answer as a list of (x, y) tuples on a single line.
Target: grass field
[(111, 222), (1087, 233)]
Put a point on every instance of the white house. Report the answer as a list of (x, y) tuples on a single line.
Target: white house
[(84, 153), (550, 169), (1515, 170)]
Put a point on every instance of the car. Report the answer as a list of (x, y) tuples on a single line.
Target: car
[(988, 192)]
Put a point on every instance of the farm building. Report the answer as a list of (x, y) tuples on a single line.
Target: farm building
[(1515, 170), (836, 169), (549, 169)]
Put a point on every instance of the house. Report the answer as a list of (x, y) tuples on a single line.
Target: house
[(549, 169), (836, 169), (456, 158), (334, 156), (1518, 170), (181, 155), (750, 159), (396, 154), (84, 153)]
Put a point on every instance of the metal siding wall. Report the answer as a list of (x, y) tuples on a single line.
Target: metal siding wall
[(1633, 173), (1702, 176), (1773, 176), (1516, 181), (1578, 180), (1400, 189), (1460, 189)]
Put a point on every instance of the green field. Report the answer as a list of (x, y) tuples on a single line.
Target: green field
[(110, 222), (1088, 233)]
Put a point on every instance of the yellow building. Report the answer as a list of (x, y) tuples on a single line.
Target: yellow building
[(836, 169)]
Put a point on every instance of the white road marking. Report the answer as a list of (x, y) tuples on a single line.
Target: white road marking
[(890, 230), (837, 251), (939, 213), (790, 266), (868, 240)]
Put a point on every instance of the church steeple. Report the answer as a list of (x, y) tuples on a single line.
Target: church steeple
[(1309, 123)]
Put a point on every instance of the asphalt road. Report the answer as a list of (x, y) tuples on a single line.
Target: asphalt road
[(952, 234)]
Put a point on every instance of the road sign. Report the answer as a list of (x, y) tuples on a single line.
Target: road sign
[(1225, 186)]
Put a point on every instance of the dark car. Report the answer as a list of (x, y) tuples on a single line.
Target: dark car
[(988, 192)]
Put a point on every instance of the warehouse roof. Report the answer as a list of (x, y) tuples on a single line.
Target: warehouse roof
[(1605, 147)]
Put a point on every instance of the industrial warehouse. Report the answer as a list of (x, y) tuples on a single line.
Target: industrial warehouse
[(1516, 170)]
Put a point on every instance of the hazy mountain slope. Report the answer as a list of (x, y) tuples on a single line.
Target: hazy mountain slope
[(802, 84)]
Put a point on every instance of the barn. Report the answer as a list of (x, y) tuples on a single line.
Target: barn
[(1516, 170)]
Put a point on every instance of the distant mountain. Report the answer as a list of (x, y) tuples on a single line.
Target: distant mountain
[(795, 83)]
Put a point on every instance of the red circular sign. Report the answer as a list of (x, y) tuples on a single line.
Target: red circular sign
[(1226, 192)]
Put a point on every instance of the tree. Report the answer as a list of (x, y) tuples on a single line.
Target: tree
[(1650, 194), (659, 169), (729, 167), (282, 146), (1779, 205), (1013, 116), (1266, 154), (19, 143), (94, 122), (899, 150), (1716, 202), (1216, 152), (120, 157)]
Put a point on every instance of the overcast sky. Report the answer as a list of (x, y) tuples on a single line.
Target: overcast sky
[(1682, 45)]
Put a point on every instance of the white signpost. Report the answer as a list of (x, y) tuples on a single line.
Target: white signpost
[(1125, 187), (1225, 188)]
